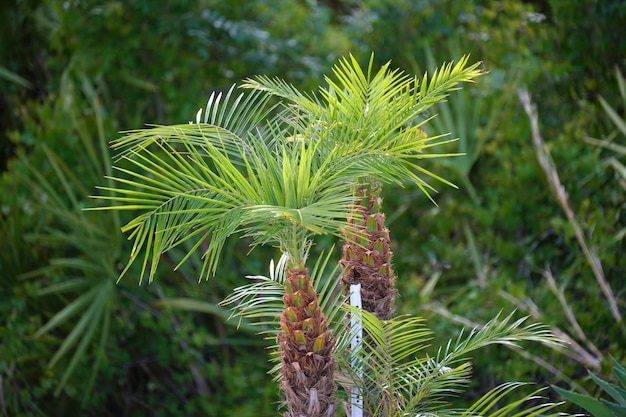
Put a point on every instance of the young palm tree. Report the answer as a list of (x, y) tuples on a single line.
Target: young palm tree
[(374, 112), (363, 109), (278, 176), (205, 182)]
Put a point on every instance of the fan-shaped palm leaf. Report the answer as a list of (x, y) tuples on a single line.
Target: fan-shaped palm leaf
[(81, 272)]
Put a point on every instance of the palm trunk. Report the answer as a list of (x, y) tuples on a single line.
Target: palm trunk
[(367, 255), (306, 347), (367, 261)]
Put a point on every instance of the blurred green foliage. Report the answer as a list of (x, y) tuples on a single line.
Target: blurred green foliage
[(74, 73)]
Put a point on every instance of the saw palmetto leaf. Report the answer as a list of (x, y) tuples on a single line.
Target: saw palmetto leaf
[(81, 272)]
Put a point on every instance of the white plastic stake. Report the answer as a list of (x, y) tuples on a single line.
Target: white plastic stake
[(356, 399)]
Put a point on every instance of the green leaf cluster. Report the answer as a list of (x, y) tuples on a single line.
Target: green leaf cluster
[(276, 181)]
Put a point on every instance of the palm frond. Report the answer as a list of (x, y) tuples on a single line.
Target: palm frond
[(280, 88), (491, 404), (228, 117), (505, 331), (425, 384), (376, 116), (216, 185), (386, 345), (445, 79), (262, 302)]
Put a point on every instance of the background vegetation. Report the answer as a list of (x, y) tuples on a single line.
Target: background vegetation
[(73, 74)]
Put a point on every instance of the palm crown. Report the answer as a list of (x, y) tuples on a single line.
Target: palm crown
[(276, 174)]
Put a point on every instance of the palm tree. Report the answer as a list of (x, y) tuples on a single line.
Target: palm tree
[(367, 110), (402, 379), (206, 182), (379, 112), (279, 176)]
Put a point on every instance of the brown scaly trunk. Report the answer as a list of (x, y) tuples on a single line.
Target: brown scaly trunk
[(367, 256), (306, 347), (367, 261)]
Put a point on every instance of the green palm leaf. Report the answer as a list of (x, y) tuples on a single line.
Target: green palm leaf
[(262, 299), (184, 195), (421, 385), (377, 116), (226, 116), (492, 405), (275, 176)]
